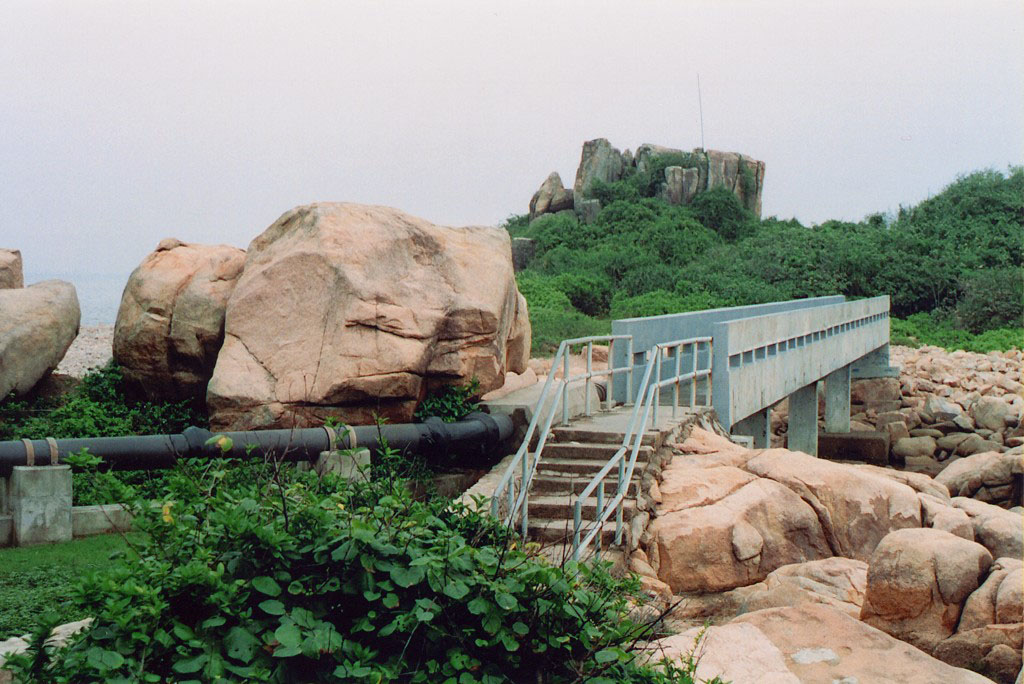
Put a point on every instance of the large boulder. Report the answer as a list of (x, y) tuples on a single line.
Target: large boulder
[(737, 539), (998, 530), (875, 392), (37, 325), (170, 324), (551, 197), (11, 275), (992, 650), (822, 644), (998, 599), (715, 649), (836, 582), (855, 507), (352, 310), (987, 476), (598, 161), (992, 413), (918, 582)]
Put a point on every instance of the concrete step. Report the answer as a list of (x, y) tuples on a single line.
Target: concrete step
[(558, 507), (584, 434), (557, 531), (581, 466), (589, 450), (563, 484)]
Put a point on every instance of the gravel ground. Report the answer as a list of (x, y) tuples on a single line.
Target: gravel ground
[(90, 349)]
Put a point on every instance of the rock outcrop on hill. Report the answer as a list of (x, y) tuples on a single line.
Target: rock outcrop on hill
[(170, 324), (698, 171), (354, 310), (11, 275), (37, 325)]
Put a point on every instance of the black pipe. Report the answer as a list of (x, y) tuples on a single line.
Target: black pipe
[(476, 433)]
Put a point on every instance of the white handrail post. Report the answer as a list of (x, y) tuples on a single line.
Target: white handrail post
[(610, 382), (629, 373), (526, 500), (675, 387), (565, 385), (693, 383), (621, 494), (657, 384), (590, 364)]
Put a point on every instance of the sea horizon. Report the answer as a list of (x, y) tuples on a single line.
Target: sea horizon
[(99, 294)]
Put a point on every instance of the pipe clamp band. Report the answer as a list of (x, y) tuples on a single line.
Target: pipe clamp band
[(53, 450), (332, 438), (351, 432), (30, 453)]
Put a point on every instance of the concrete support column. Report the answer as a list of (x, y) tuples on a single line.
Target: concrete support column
[(803, 420), (837, 401), (757, 426), (40, 504)]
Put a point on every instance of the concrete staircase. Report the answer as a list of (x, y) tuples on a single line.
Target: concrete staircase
[(571, 457)]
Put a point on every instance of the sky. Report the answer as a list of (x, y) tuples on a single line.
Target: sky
[(124, 122)]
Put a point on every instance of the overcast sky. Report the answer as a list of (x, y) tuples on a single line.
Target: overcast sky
[(125, 122)]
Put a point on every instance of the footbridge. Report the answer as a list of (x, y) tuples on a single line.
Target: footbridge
[(740, 361)]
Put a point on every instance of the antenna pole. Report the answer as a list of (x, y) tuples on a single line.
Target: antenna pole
[(700, 103)]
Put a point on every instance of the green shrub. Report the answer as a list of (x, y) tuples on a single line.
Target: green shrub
[(542, 292), (451, 403), (589, 293), (937, 330), (991, 298), (99, 407), (517, 225), (658, 302), (550, 327), (289, 577), (720, 210)]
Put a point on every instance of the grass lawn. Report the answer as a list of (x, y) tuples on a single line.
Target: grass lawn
[(37, 579)]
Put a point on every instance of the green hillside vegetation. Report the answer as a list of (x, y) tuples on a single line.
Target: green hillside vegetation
[(952, 264)]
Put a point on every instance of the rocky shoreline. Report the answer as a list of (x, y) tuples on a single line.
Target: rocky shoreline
[(91, 349)]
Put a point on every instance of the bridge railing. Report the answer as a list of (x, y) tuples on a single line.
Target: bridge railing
[(761, 360), (651, 330), (651, 393), (510, 501)]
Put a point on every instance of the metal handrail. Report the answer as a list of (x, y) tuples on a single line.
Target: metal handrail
[(518, 505), (648, 391)]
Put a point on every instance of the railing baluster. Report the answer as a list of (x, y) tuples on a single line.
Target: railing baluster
[(620, 489), (657, 384), (675, 387), (586, 386), (693, 382), (565, 386), (629, 373)]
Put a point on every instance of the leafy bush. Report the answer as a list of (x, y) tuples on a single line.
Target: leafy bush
[(658, 302), (288, 577), (542, 292), (938, 330), (517, 225), (991, 298), (720, 210), (451, 403), (98, 407), (550, 327), (588, 292)]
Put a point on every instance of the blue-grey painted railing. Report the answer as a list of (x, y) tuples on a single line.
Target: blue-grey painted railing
[(651, 391), (515, 495), (652, 330), (761, 360)]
